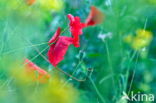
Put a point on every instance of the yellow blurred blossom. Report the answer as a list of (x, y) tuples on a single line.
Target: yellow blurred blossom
[(58, 92), (142, 39), (128, 38), (20, 76), (28, 72), (51, 4), (144, 34)]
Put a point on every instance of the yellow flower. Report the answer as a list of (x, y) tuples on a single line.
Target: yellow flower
[(142, 39), (144, 34), (56, 91), (138, 43), (128, 39), (51, 4), (19, 75)]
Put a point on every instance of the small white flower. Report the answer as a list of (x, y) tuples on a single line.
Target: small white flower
[(143, 49), (108, 3), (105, 36)]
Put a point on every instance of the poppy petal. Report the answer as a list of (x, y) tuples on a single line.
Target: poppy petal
[(95, 17), (71, 18), (31, 68), (30, 2), (58, 50), (76, 27), (76, 42), (56, 36)]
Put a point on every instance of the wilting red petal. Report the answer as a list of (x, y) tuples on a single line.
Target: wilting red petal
[(30, 2), (95, 17), (76, 27), (75, 24), (71, 18), (76, 42), (58, 50), (31, 68), (56, 36)]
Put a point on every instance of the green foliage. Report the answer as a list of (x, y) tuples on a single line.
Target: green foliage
[(117, 67)]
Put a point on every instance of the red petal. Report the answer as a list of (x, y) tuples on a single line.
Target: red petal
[(76, 27), (31, 67), (71, 18), (56, 36), (30, 2), (76, 42), (95, 17), (57, 51)]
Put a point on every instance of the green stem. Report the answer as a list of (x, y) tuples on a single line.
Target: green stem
[(110, 64), (128, 68), (14, 50), (96, 89)]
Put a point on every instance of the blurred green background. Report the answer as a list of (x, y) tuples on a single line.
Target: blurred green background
[(121, 51)]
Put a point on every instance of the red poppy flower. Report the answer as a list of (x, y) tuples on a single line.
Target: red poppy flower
[(59, 47), (31, 68), (56, 36), (30, 2), (95, 17), (76, 27)]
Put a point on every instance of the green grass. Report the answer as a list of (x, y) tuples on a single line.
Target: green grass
[(117, 66)]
